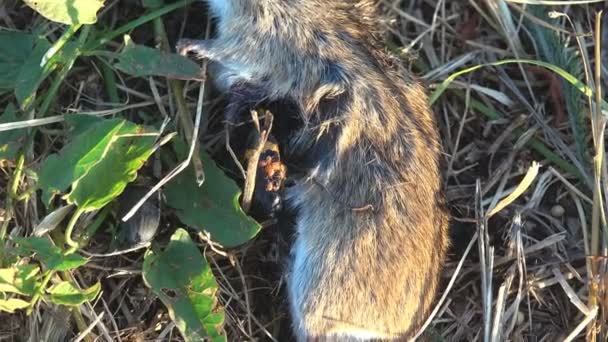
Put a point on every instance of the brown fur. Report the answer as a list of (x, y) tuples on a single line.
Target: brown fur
[(371, 225)]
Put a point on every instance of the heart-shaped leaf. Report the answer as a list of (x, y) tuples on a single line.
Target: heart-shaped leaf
[(12, 304), (81, 122), (32, 73), (214, 207), (15, 48), (20, 64), (19, 279), (126, 153), (182, 279), (65, 293), (51, 256), (139, 60), (67, 12), (98, 163), (77, 158)]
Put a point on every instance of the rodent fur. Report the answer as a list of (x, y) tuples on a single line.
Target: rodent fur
[(372, 231)]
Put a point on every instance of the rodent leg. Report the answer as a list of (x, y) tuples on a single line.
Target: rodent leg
[(203, 48)]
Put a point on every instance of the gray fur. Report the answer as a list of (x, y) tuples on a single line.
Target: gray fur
[(371, 226)]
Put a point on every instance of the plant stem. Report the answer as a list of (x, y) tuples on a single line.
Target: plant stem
[(12, 194), (92, 228), (68, 231), (65, 37), (597, 213), (182, 108), (75, 310), (109, 80), (135, 23), (81, 323), (65, 69), (49, 274)]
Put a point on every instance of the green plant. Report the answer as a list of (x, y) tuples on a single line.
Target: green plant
[(91, 162)]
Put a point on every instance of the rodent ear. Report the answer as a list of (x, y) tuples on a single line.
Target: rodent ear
[(332, 84), (325, 91)]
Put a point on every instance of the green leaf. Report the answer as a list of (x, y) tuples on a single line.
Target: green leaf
[(51, 256), (20, 64), (67, 12), (19, 279), (77, 158), (15, 48), (214, 207), (81, 122), (139, 60), (183, 281), (12, 304), (127, 152), (98, 163), (32, 73), (9, 141), (65, 293)]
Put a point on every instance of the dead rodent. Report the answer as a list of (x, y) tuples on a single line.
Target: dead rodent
[(371, 226)]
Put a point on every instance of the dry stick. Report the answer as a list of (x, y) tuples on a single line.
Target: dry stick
[(597, 208), (118, 252), (501, 314), (182, 108), (86, 332), (252, 163), (233, 155), (245, 293), (214, 246), (570, 187), (76, 313), (240, 301), (485, 262), (184, 115), (521, 268), (179, 168), (112, 320), (584, 323), (60, 118), (601, 122)]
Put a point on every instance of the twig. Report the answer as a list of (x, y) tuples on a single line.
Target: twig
[(60, 118), (233, 155), (118, 252), (177, 170), (252, 163), (86, 332), (214, 246), (245, 293), (182, 108), (582, 325)]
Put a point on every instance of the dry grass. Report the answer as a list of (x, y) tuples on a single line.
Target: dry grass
[(532, 271)]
